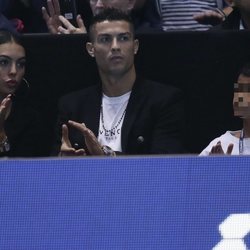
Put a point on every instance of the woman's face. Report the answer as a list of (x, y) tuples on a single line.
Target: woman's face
[(12, 67)]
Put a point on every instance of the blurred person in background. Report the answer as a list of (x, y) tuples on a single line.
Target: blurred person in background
[(144, 14)]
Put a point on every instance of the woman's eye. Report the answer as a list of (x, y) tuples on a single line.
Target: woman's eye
[(4, 62), (21, 64)]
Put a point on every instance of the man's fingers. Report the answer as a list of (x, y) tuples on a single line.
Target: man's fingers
[(80, 152), (91, 141), (66, 23), (51, 8), (65, 136), (80, 24), (45, 14), (83, 129), (71, 152), (57, 7), (79, 126)]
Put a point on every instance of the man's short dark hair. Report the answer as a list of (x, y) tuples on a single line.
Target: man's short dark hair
[(245, 69), (110, 14)]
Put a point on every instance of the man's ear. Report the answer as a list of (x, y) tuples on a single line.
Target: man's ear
[(136, 46), (90, 48)]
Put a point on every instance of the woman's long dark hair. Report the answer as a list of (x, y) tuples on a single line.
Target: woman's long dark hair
[(7, 36)]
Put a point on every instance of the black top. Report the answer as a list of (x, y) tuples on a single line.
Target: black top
[(24, 130)]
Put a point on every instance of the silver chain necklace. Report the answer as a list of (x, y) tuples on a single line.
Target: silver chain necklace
[(117, 124)]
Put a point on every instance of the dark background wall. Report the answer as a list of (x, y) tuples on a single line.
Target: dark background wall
[(203, 64)]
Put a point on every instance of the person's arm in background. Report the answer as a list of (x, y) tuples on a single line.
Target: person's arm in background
[(214, 17), (58, 24)]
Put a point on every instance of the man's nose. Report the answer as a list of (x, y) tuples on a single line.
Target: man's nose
[(115, 44)]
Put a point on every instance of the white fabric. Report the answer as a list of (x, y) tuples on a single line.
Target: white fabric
[(241, 25), (178, 14), (113, 109), (227, 139)]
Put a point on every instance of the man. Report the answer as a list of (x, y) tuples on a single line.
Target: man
[(124, 113), (145, 18), (236, 142), (239, 18)]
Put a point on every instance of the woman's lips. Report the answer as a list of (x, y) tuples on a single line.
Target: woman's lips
[(11, 83)]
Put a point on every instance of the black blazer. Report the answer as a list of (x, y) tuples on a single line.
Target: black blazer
[(152, 123)]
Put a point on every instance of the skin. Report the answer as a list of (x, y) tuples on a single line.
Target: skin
[(212, 17), (98, 5), (58, 24), (10, 78), (113, 47)]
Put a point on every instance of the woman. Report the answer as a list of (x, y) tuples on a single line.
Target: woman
[(20, 127)]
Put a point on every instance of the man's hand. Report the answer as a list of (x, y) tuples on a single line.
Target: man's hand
[(94, 147), (51, 16), (209, 17), (217, 149), (66, 147), (58, 24), (68, 28)]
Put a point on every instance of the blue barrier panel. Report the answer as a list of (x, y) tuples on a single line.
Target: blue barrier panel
[(125, 203)]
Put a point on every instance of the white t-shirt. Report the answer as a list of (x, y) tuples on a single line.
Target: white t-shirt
[(111, 119), (227, 139)]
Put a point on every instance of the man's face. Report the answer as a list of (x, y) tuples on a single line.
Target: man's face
[(98, 5), (241, 100), (113, 47)]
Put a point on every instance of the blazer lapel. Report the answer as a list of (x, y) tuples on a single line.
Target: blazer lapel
[(136, 100), (92, 113)]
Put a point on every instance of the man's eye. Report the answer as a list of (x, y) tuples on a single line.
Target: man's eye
[(104, 39), (124, 38)]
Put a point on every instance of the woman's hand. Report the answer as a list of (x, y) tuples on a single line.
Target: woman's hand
[(5, 107)]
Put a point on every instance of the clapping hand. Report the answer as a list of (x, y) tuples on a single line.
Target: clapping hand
[(93, 146), (217, 149), (5, 107)]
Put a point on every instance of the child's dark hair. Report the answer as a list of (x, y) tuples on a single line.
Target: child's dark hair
[(110, 14), (245, 69)]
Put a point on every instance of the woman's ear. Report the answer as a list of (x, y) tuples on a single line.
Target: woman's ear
[(90, 48)]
